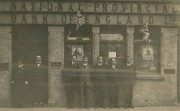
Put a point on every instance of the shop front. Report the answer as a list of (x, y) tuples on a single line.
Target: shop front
[(46, 47)]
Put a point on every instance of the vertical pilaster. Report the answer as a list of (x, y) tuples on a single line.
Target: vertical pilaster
[(95, 47), (130, 42), (5, 64), (56, 55), (162, 54), (168, 48)]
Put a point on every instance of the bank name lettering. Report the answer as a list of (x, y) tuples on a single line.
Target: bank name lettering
[(39, 12)]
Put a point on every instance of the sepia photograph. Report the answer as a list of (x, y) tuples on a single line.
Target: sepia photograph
[(97, 55)]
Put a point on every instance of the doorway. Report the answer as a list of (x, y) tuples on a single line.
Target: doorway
[(28, 42)]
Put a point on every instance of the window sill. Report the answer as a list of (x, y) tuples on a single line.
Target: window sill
[(154, 76)]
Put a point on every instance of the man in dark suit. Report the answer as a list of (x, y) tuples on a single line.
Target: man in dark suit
[(98, 83), (72, 84), (129, 89), (112, 87), (86, 94), (99, 64), (113, 65), (39, 82), (72, 62)]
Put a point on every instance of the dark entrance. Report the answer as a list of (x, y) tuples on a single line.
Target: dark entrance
[(29, 80)]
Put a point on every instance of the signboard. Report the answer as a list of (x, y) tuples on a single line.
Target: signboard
[(56, 64), (44, 12), (112, 37)]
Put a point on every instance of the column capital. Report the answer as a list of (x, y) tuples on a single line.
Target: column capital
[(55, 29), (130, 30), (96, 30), (169, 31)]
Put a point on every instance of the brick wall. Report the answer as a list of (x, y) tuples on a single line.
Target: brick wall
[(160, 89), (56, 54), (5, 58), (170, 47), (155, 92)]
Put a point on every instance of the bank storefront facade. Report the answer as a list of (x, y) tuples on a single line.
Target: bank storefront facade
[(144, 32)]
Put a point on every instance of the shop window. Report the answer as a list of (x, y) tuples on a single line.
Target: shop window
[(112, 44), (147, 48), (78, 43)]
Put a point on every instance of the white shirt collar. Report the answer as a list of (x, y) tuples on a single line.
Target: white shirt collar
[(38, 65)]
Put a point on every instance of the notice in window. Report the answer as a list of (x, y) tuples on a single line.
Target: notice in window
[(147, 53), (112, 54)]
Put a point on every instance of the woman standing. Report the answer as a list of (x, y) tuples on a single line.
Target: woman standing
[(18, 84)]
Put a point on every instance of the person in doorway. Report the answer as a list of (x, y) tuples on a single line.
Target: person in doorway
[(39, 82), (18, 84)]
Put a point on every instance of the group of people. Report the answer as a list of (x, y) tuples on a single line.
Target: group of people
[(29, 83), (100, 91), (100, 64)]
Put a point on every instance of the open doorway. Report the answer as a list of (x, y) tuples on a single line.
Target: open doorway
[(29, 69)]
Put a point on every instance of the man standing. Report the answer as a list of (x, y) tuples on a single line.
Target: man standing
[(72, 84), (39, 82), (113, 88), (100, 64), (98, 81), (85, 84), (113, 65)]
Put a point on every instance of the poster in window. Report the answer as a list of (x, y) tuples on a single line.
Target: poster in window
[(112, 54), (147, 53), (78, 51)]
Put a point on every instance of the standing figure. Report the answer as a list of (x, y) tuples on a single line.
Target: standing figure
[(129, 89), (99, 64), (85, 83), (113, 65), (72, 85), (99, 87), (39, 82), (112, 87), (18, 84)]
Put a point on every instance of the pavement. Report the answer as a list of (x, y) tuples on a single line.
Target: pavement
[(155, 108)]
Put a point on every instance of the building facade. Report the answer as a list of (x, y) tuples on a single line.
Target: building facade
[(145, 31)]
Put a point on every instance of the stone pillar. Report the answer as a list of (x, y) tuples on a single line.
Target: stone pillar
[(130, 43), (162, 55), (95, 47), (5, 64), (56, 55), (168, 48)]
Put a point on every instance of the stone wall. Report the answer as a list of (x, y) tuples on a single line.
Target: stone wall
[(56, 54), (5, 65), (155, 92), (160, 89)]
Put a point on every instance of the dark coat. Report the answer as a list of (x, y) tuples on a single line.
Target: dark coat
[(38, 83), (100, 67), (18, 86)]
